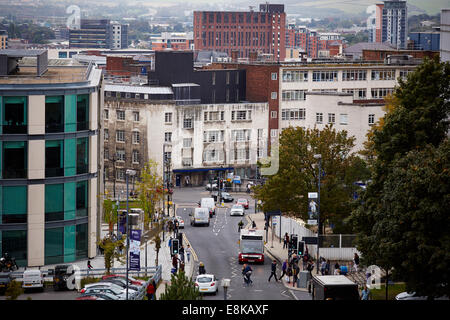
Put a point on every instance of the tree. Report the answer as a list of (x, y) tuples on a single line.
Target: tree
[(181, 288), (298, 174), (112, 251), (14, 290), (150, 190), (399, 222), (109, 214), (157, 242)]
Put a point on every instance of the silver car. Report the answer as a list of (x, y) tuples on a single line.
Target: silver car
[(110, 288), (237, 210)]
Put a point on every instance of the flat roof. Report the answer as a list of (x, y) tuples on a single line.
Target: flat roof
[(138, 89), (19, 53), (27, 75), (334, 280)]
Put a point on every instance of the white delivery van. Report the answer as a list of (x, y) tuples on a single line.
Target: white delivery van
[(33, 279), (201, 216), (208, 203)]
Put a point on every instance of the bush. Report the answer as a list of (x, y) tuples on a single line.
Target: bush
[(14, 290)]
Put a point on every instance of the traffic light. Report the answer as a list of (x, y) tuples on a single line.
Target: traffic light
[(293, 242), (175, 246), (301, 248)]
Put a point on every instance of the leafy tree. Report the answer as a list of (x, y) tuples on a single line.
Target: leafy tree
[(298, 174), (181, 288), (112, 250), (400, 223), (149, 190), (109, 214), (157, 242)]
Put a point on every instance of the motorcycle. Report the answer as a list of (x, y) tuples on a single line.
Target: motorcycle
[(8, 264)]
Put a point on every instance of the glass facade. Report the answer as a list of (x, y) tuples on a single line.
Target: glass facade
[(14, 115), (66, 244), (54, 114), (14, 159), (15, 243)]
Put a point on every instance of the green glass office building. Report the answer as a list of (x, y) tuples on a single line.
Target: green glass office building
[(51, 166)]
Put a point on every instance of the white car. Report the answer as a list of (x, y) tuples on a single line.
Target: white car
[(237, 210), (207, 283), (180, 222), (413, 296), (33, 279)]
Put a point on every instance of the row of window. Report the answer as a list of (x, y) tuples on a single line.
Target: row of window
[(120, 115), (121, 155), (347, 75), (215, 155), (62, 158), (358, 93), (120, 136), (62, 114), (300, 114)]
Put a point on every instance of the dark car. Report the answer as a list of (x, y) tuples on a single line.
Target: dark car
[(5, 280), (60, 277)]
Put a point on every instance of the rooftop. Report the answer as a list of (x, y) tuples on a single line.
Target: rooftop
[(27, 75)]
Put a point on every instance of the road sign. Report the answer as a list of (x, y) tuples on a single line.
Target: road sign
[(312, 195), (312, 222)]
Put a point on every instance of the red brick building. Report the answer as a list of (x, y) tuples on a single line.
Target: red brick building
[(261, 31)]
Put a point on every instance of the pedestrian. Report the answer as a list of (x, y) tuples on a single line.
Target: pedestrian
[(273, 271), (286, 241), (182, 266), (151, 289), (336, 267), (356, 261), (89, 265), (247, 272), (323, 266), (295, 272), (284, 267), (305, 260), (170, 244), (253, 224), (240, 225), (175, 262), (181, 252), (201, 268), (327, 267), (188, 253), (310, 267), (365, 293)]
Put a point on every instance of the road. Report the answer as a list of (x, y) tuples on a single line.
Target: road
[(217, 247)]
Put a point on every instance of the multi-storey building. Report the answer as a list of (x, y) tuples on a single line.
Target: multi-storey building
[(3, 39), (314, 43), (391, 24), (99, 34), (51, 163), (173, 40), (262, 31)]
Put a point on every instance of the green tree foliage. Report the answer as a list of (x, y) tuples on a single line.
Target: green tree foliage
[(298, 174), (181, 288), (14, 290), (402, 220), (109, 214), (150, 190), (112, 250)]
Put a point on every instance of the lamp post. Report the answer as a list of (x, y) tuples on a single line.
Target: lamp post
[(166, 165), (114, 159), (129, 172), (146, 240), (319, 157)]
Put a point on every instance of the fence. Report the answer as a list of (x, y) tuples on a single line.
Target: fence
[(333, 247)]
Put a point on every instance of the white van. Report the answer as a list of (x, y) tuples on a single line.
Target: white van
[(210, 204), (201, 216), (33, 279)]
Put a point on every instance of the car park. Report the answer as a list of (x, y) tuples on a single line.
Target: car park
[(132, 280), (237, 210), (207, 283), (98, 296), (109, 288), (243, 202), (138, 291), (33, 279)]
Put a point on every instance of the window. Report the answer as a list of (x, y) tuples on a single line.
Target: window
[(354, 75), (331, 118), (106, 114), (273, 114), (273, 133), (321, 76), (293, 114), (187, 123), (343, 118), (106, 154), (167, 156), (120, 154), (383, 74), (54, 202), (404, 74), (120, 136), (319, 117), (14, 207), (54, 158), (274, 95), (213, 136), (136, 116), (168, 136), (168, 117), (240, 135), (82, 112), (14, 159), (240, 154), (81, 199), (54, 114), (241, 115), (371, 119), (380, 93), (120, 115), (136, 137), (106, 134), (293, 95), (120, 174), (260, 133), (295, 76), (135, 158), (274, 76), (82, 155), (14, 115), (187, 142)]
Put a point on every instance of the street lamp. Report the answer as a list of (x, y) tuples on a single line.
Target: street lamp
[(146, 238), (114, 159), (132, 173), (225, 285), (318, 157), (165, 163)]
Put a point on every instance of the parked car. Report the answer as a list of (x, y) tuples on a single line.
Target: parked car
[(414, 296), (132, 280), (109, 288), (243, 202), (211, 186), (90, 297), (60, 277), (98, 296), (5, 280), (180, 222), (138, 291), (237, 210), (207, 283), (33, 279)]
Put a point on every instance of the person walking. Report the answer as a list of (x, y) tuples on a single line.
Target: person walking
[(323, 266), (89, 265), (188, 253), (286, 241), (240, 225), (253, 224), (305, 260), (336, 268), (327, 267), (247, 272), (289, 271), (201, 268), (151, 290), (284, 268), (295, 272), (365, 293), (181, 253), (356, 262), (175, 262), (273, 271)]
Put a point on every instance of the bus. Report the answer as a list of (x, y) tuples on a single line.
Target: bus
[(251, 246)]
